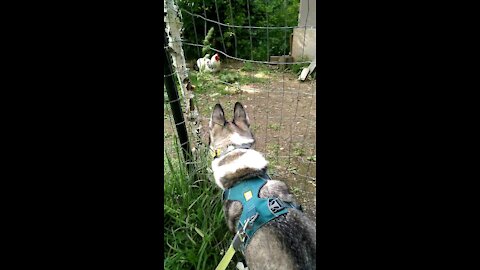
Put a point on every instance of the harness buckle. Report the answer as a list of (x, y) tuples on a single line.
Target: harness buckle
[(238, 242), (251, 220), (275, 205)]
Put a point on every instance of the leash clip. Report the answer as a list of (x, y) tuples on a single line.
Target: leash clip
[(241, 236), (239, 240)]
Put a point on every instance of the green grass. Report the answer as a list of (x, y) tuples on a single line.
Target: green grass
[(262, 68), (204, 82), (254, 67), (195, 231), (298, 149), (296, 191), (273, 148), (248, 66), (252, 79), (211, 83), (297, 68), (274, 126), (228, 76)]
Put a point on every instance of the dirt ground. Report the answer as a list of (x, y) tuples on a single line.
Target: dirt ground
[(282, 113)]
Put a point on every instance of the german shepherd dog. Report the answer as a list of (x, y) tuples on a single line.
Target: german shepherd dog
[(287, 242)]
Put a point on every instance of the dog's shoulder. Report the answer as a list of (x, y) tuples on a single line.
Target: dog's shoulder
[(276, 189)]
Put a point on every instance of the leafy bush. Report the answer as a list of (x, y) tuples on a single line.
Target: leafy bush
[(237, 40), (207, 42)]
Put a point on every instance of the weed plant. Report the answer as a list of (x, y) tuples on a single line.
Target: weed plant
[(195, 231)]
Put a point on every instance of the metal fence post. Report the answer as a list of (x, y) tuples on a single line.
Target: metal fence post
[(176, 107)]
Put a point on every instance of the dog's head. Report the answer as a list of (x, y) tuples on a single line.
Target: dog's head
[(224, 133)]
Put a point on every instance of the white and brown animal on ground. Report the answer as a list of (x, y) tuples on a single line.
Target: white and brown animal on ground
[(287, 242), (207, 64)]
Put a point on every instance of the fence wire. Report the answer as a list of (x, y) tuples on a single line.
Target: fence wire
[(282, 110)]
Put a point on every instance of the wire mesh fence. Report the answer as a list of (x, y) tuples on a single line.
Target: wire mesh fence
[(281, 108)]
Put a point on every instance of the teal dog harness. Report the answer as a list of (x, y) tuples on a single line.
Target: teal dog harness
[(256, 211)]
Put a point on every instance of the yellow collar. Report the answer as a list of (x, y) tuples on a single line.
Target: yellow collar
[(218, 152)]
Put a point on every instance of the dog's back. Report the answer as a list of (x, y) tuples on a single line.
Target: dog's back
[(287, 242)]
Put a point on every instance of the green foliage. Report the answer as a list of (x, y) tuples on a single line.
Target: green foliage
[(204, 82), (251, 79), (237, 40), (195, 235), (207, 42), (299, 149), (297, 68), (229, 77), (274, 126), (252, 67), (247, 66), (217, 83)]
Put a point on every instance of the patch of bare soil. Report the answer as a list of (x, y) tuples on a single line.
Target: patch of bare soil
[(282, 111)]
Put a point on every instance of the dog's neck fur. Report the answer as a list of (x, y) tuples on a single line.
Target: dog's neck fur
[(238, 165)]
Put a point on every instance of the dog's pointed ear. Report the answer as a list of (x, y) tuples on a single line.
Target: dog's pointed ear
[(240, 115), (218, 117)]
